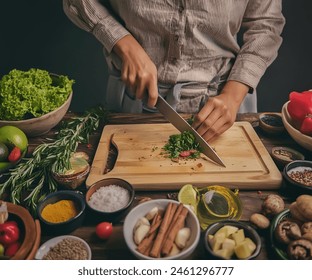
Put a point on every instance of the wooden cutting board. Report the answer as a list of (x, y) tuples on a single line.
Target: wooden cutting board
[(140, 162)]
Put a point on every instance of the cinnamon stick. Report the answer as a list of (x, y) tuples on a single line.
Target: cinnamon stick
[(174, 219), (170, 210), (173, 232), (146, 244)]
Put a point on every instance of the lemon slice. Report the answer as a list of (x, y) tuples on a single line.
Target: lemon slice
[(188, 196)]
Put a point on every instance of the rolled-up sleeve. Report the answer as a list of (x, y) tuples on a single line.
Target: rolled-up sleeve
[(263, 24), (93, 17)]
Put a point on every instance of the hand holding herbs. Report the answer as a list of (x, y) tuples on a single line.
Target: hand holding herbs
[(32, 180)]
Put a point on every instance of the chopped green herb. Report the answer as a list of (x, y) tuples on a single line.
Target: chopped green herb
[(178, 144)]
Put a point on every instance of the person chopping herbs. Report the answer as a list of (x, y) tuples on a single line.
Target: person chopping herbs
[(187, 51)]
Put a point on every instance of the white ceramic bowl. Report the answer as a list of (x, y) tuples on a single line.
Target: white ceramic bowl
[(302, 139), (141, 210), (45, 247), (41, 125)]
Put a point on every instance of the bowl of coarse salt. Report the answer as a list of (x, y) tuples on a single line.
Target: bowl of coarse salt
[(109, 198)]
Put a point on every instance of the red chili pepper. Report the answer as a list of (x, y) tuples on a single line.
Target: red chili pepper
[(306, 126), (300, 105), (15, 154), (9, 233), (185, 154)]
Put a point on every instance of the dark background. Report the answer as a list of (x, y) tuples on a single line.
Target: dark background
[(37, 34)]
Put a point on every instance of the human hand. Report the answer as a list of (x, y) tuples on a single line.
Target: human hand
[(219, 113), (138, 71)]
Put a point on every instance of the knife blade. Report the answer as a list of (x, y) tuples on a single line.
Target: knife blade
[(182, 125)]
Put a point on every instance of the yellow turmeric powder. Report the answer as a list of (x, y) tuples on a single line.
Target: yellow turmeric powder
[(60, 211)]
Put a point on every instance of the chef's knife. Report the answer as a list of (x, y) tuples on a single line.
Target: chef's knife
[(182, 125)]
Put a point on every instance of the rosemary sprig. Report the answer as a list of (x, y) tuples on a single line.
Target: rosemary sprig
[(31, 180)]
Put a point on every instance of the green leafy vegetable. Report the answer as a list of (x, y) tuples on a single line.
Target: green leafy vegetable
[(32, 93), (179, 143), (31, 180)]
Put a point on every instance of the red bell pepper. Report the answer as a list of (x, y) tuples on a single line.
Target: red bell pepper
[(306, 126), (300, 110), (11, 250), (9, 233), (300, 104)]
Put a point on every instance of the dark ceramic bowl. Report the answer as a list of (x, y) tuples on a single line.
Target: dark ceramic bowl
[(294, 185), (248, 231), (278, 249), (71, 224), (99, 214)]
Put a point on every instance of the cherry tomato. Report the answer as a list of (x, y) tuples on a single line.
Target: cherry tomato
[(15, 154), (104, 230)]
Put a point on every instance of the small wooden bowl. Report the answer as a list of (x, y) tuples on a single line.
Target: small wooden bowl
[(284, 155), (271, 123), (28, 230)]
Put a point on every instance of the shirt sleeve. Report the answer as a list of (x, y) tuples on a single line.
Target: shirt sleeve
[(262, 24), (94, 17)]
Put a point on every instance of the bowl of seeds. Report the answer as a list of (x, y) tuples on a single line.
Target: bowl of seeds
[(297, 177), (65, 247)]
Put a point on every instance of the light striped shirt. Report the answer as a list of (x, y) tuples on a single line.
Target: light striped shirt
[(190, 40)]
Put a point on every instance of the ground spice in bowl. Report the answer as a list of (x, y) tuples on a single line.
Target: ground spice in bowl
[(60, 211)]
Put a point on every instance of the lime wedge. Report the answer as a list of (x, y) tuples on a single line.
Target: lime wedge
[(188, 196)]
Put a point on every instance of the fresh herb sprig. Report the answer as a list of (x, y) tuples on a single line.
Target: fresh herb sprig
[(178, 143), (31, 180)]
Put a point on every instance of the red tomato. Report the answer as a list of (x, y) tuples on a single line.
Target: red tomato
[(104, 230), (15, 154)]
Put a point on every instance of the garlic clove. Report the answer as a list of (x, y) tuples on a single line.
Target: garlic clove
[(174, 250), (182, 237), (141, 221), (140, 233), (151, 214), (4, 214)]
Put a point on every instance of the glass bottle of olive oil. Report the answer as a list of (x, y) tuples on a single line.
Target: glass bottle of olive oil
[(217, 203)]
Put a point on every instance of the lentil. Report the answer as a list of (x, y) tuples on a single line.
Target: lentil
[(67, 249), (303, 176)]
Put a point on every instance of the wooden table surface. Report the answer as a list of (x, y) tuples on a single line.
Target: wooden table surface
[(115, 247)]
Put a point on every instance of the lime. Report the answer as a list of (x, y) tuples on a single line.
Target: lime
[(4, 152), (188, 196), (12, 137)]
